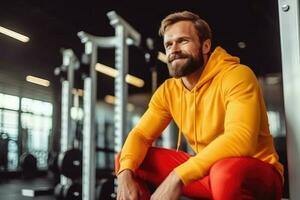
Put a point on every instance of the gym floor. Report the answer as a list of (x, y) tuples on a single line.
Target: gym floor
[(11, 189)]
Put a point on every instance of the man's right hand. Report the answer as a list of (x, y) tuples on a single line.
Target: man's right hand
[(128, 188)]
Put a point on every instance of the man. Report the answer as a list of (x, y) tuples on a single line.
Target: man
[(217, 104)]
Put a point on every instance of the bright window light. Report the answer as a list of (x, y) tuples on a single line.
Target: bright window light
[(9, 102), (39, 81), (14, 34)]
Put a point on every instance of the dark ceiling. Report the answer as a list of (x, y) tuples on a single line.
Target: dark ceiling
[(52, 25)]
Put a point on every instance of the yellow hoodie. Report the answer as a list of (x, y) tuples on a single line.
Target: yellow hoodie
[(223, 116)]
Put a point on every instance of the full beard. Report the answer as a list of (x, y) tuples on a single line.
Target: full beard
[(191, 65)]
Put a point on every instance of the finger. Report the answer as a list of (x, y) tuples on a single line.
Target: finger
[(118, 196)]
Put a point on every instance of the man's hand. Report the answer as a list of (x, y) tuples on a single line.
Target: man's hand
[(127, 186), (169, 189)]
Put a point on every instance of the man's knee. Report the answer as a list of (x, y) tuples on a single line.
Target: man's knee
[(244, 178)]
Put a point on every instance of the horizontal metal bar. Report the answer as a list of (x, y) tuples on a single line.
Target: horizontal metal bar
[(103, 42), (116, 20)]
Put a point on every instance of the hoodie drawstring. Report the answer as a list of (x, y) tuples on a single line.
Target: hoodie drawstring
[(180, 124), (195, 125)]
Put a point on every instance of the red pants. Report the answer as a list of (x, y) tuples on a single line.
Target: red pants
[(237, 178)]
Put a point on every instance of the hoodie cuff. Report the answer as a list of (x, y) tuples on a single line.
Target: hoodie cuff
[(126, 164), (189, 172)]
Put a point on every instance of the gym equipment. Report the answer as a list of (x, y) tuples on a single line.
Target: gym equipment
[(53, 165), (70, 64), (106, 150), (3, 150), (28, 163), (58, 191), (70, 191), (36, 192), (105, 189), (124, 35), (70, 163), (290, 51)]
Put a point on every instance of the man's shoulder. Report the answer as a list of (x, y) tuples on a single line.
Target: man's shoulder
[(241, 75), (239, 71)]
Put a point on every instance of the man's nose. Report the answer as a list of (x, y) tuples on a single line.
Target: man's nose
[(174, 49)]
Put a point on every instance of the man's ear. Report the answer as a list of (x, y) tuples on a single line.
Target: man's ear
[(206, 46)]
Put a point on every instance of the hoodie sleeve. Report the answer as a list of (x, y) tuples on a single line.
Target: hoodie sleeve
[(241, 97), (150, 127)]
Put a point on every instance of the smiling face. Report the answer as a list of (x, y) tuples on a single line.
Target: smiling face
[(183, 49)]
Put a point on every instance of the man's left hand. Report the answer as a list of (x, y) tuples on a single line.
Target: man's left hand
[(169, 189)]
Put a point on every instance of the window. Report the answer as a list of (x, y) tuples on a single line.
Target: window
[(274, 122), (32, 134), (9, 102), (36, 118), (9, 106)]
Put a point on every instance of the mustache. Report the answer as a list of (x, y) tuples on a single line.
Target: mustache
[(174, 56)]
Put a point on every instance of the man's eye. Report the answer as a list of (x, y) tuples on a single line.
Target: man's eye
[(183, 41)]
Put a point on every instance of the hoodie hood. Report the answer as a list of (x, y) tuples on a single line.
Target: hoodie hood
[(218, 61)]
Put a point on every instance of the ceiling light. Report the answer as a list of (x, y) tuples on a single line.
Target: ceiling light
[(78, 92), (242, 45), (134, 81), (113, 73), (162, 57), (14, 34), (111, 100), (38, 81)]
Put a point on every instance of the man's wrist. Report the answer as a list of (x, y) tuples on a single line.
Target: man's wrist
[(126, 172), (176, 179)]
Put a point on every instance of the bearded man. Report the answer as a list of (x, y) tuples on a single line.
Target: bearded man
[(217, 104)]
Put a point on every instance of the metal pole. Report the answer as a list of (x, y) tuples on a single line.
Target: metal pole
[(70, 63), (121, 88), (290, 50), (89, 154), (124, 33), (119, 42), (65, 118), (65, 121), (70, 74)]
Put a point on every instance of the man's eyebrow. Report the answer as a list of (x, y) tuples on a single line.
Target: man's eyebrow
[(184, 37), (176, 39), (167, 42)]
